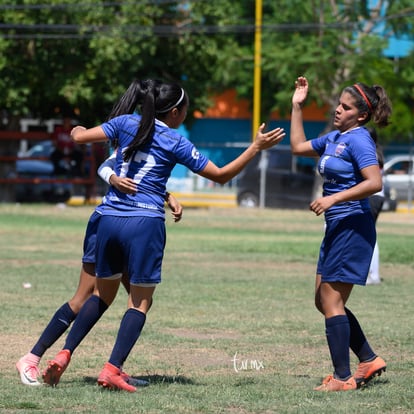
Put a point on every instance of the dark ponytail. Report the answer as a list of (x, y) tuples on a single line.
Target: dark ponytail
[(383, 109), (128, 101), (372, 100), (155, 99), (147, 124)]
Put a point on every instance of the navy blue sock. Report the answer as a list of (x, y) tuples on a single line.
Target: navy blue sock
[(358, 342), (60, 321), (128, 334), (89, 314), (338, 334)]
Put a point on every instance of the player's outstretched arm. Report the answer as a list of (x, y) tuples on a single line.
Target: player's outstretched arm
[(263, 140)]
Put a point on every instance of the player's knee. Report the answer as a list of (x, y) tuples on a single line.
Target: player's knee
[(76, 303)]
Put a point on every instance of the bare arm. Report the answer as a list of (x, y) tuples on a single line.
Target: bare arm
[(263, 140), (82, 135), (298, 141), (371, 184), (175, 207)]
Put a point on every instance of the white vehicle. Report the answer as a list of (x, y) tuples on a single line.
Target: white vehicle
[(399, 175)]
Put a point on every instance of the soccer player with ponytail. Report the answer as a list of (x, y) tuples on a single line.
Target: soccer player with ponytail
[(131, 232), (349, 167)]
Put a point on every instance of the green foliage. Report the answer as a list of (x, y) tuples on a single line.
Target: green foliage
[(80, 57), (334, 44)]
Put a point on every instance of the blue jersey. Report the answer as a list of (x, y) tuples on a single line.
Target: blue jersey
[(150, 167), (342, 157)]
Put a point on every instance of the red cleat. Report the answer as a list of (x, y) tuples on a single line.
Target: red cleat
[(56, 367), (110, 377)]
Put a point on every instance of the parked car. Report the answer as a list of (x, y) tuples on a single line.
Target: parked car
[(399, 175), (290, 180), (40, 168)]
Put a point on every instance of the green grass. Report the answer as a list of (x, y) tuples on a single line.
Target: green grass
[(236, 284)]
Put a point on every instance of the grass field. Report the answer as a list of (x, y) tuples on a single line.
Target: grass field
[(233, 328)]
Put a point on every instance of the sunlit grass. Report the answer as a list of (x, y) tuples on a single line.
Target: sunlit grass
[(233, 328)]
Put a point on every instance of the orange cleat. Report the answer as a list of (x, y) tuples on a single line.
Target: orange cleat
[(332, 384), (110, 377), (56, 367), (368, 370)]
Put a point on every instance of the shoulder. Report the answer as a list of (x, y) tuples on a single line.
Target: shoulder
[(124, 119), (169, 134), (361, 138), (320, 142), (125, 123), (329, 136), (361, 132), (362, 147)]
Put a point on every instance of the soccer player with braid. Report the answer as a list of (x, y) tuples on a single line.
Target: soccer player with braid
[(349, 167)]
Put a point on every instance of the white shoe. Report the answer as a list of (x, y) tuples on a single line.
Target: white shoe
[(28, 372)]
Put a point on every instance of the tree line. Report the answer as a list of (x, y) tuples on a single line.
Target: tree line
[(59, 58)]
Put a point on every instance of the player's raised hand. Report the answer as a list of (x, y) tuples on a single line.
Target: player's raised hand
[(265, 140), (301, 91)]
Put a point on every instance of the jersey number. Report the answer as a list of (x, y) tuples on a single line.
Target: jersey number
[(137, 168)]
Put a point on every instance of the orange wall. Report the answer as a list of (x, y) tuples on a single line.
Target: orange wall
[(228, 105)]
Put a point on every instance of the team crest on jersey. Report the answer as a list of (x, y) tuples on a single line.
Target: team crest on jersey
[(195, 154), (340, 148)]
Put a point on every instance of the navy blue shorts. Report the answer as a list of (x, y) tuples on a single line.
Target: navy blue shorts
[(346, 250), (89, 242), (132, 243)]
